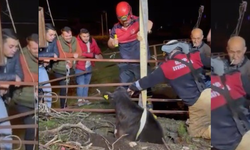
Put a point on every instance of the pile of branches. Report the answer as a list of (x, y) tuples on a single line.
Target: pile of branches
[(84, 131)]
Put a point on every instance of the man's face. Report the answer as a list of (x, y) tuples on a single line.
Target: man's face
[(236, 52), (33, 48), (10, 47), (85, 37), (67, 36), (196, 39), (50, 35)]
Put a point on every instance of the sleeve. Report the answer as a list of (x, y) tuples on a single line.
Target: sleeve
[(157, 76), (246, 85), (78, 49), (46, 54), (55, 48), (112, 33), (7, 77), (97, 50), (206, 61), (18, 67)]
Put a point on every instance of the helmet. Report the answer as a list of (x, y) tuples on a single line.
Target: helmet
[(174, 44), (123, 11)]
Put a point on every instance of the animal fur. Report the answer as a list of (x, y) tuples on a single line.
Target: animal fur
[(128, 115)]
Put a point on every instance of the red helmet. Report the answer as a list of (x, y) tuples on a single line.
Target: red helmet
[(123, 11)]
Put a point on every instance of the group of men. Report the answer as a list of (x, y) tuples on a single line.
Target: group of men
[(20, 65)]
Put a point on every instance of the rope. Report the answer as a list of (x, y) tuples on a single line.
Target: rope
[(13, 136), (242, 10), (25, 61), (201, 10)]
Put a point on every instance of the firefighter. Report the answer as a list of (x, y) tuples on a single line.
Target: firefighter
[(181, 70)]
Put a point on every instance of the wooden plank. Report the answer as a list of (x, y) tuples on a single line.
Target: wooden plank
[(42, 32), (2, 63), (143, 44)]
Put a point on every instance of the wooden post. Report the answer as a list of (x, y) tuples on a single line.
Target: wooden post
[(42, 32), (2, 62), (143, 44)]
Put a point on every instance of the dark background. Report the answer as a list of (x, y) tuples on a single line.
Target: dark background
[(25, 16), (224, 18), (177, 18)]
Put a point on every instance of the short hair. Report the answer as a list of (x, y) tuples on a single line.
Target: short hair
[(8, 33), (33, 37), (49, 26), (66, 29), (83, 30)]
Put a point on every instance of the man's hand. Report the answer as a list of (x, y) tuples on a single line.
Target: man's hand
[(75, 55), (115, 42), (139, 38), (130, 92), (3, 91), (99, 56), (4, 86)]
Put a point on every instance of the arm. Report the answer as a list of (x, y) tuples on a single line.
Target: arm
[(97, 50), (46, 54), (55, 48), (157, 76), (111, 39), (7, 77), (18, 67), (78, 49), (246, 85), (206, 61)]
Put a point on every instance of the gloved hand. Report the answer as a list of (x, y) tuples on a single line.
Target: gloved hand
[(132, 88)]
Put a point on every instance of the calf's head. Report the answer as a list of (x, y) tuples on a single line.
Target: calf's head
[(120, 94)]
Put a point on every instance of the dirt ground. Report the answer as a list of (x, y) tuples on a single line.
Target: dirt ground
[(95, 131)]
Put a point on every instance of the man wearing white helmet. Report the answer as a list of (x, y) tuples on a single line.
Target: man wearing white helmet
[(181, 70), (230, 125)]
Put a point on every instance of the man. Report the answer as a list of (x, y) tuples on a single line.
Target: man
[(236, 59), (68, 47), (127, 31), (11, 71), (198, 44), (236, 49), (50, 51), (230, 126), (89, 49), (184, 79), (24, 97)]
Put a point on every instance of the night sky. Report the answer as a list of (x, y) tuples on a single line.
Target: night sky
[(163, 13)]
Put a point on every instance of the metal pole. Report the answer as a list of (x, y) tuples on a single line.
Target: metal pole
[(106, 17), (102, 24)]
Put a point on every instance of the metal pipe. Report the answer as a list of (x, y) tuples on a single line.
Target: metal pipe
[(19, 83), (112, 110), (92, 98), (19, 126), (17, 116), (18, 142), (89, 85), (99, 60)]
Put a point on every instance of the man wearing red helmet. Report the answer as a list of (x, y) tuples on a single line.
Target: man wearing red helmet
[(124, 35)]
